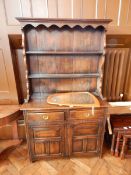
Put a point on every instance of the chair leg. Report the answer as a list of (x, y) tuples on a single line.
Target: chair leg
[(113, 144), (117, 145), (123, 148)]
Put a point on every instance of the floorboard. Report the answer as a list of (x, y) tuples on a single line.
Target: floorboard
[(16, 162)]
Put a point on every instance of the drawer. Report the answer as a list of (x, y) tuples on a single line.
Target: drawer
[(45, 117), (82, 129), (86, 114)]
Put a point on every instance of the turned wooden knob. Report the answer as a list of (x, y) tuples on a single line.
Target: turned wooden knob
[(45, 117), (87, 115)]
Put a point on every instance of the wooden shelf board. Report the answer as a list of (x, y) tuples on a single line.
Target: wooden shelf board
[(64, 75), (96, 52), (8, 144)]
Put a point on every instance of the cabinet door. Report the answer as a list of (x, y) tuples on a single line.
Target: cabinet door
[(46, 140), (86, 137)]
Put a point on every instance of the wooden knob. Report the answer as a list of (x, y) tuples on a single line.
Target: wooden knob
[(45, 117), (87, 115), (121, 96)]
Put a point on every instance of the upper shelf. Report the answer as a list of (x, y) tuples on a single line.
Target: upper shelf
[(61, 22), (88, 75), (64, 53)]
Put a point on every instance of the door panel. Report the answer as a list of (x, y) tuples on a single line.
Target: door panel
[(84, 145), (47, 140), (86, 137)]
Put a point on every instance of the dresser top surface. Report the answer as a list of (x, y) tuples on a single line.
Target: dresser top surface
[(43, 105)]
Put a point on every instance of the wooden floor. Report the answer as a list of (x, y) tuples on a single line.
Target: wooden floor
[(16, 162)]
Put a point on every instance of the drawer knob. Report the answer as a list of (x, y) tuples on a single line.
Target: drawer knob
[(45, 117), (87, 115)]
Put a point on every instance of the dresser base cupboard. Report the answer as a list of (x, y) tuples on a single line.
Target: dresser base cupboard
[(65, 132)]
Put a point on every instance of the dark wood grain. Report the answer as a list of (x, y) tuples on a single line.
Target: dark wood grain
[(64, 56)]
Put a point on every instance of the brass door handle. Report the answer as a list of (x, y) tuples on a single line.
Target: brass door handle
[(45, 117)]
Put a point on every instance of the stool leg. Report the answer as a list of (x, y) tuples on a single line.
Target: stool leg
[(113, 144), (117, 145), (123, 148), (15, 130)]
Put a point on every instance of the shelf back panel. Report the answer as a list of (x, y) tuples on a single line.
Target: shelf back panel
[(63, 39), (63, 85), (62, 64)]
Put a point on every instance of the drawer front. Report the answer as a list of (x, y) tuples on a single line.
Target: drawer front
[(86, 114), (45, 117), (82, 129)]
